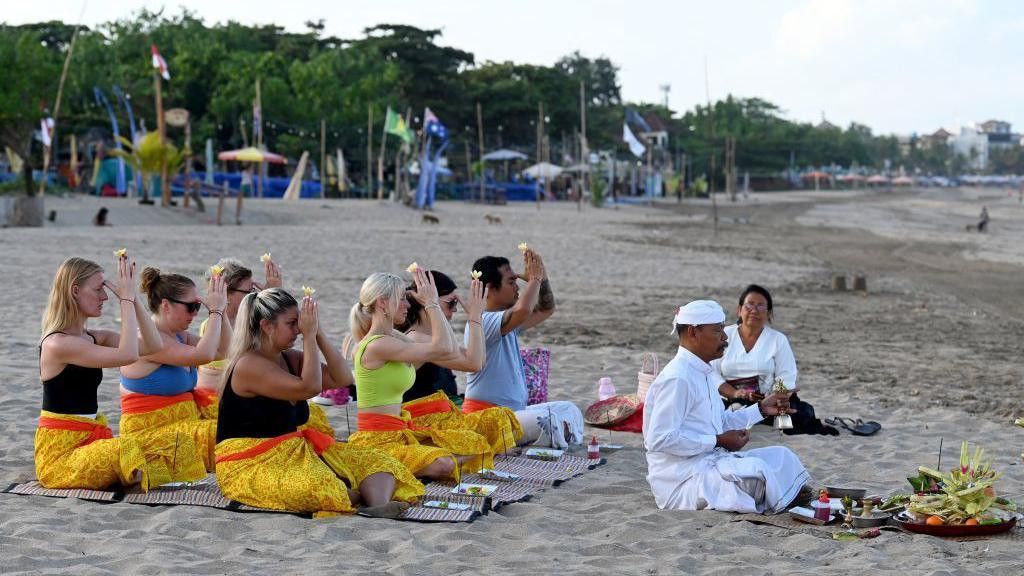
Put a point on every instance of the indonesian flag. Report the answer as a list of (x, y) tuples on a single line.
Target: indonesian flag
[(159, 63)]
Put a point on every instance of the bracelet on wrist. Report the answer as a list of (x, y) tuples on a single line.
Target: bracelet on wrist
[(477, 322), (126, 300), (438, 306), (220, 312)]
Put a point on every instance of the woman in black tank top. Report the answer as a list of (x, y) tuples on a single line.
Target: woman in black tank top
[(263, 458), (71, 362)]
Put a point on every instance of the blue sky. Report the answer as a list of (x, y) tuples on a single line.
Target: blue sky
[(899, 66)]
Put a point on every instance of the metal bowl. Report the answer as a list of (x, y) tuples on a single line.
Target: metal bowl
[(876, 519), (853, 493)]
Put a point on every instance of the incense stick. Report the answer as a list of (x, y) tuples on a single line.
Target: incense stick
[(939, 465)]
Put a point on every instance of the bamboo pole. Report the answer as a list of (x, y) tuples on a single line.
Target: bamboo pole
[(56, 105), (583, 146), (480, 136), (220, 202), (711, 131)]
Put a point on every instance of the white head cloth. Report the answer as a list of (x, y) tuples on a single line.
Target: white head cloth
[(700, 312)]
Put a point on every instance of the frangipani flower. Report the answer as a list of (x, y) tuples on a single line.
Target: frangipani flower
[(265, 258), (308, 291), (412, 268), (120, 253), (523, 246), (476, 274), (216, 270)]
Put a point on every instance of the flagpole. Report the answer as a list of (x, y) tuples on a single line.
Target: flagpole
[(540, 146), (161, 129)]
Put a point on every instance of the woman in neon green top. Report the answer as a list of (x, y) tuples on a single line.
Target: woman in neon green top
[(384, 370), (239, 281)]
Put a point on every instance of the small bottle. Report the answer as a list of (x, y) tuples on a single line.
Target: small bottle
[(605, 388), (593, 449)]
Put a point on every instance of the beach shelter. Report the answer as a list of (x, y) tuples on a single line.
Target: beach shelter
[(817, 176), (903, 181), (251, 155), (877, 179), (543, 170)]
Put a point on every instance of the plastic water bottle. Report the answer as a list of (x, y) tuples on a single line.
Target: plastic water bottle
[(593, 449), (605, 388)]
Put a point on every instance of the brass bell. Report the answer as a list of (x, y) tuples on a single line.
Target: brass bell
[(783, 422)]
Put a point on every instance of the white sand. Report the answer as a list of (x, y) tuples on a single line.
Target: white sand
[(932, 351)]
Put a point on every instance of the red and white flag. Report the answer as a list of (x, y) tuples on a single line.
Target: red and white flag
[(159, 63)]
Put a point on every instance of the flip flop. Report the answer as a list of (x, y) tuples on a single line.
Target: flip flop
[(862, 428), (857, 427)]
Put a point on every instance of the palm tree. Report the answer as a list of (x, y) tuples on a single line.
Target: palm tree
[(148, 156)]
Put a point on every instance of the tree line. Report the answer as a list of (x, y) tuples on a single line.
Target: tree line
[(311, 76)]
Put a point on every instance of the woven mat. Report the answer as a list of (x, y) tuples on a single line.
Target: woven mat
[(535, 477)]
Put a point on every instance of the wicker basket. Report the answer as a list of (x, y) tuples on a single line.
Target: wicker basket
[(649, 368)]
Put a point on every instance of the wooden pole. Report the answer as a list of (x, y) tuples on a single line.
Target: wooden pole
[(540, 146), (220, 202), (469, 171), (323, 154), (369, 150), (258, 137), (56, 106), (380, 160), (480, 136), (161, 129), (188, 164), (238, 204), (583, 146)]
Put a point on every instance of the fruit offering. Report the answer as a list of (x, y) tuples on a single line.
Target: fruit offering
[(965, 495)]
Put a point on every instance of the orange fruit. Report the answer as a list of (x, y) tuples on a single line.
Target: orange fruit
[(935, 521), (971, 522)]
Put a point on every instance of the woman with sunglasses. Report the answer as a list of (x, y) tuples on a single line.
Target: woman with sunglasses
[(756, 357), (238, 281), (432, 399), (159, 399)]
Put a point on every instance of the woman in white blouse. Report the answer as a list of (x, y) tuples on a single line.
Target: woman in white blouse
[(756, 357)]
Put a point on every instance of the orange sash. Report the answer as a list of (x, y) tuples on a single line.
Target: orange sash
[(96, 431), (133, 403), (470, 405), (318, 440), (370, 422), (417, 409)]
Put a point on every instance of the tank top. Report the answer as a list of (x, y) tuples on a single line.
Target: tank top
[(259, 416), (381, 386), (166, 380), (73, 390), (431, 378)]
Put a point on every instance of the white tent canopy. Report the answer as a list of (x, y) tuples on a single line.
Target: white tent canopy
[(503, 154), (578, 168), (543, 170)]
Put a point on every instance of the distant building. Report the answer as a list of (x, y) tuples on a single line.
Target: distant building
[(972, 144), (994, 127), (659, 131), (939, 138), (999, 134)]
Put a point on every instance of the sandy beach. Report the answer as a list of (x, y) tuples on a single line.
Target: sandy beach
[(931, 351)]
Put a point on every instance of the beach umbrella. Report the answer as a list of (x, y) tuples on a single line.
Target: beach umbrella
[(877, 179), (503, 154), (252, 154), (543, 170), (903, 181)]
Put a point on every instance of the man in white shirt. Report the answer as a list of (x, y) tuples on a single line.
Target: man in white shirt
[(693, 457)]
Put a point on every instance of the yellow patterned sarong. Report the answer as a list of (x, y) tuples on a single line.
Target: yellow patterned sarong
[(418, 447), (318, 420), (79, 452), (304, 471), (498, 425), (171, 422)]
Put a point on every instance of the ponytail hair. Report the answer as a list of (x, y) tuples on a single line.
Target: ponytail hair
[(62, 310), (378, 284), (158, 287), (248, 331)]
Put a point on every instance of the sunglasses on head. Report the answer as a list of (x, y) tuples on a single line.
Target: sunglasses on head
[(252, 290), (192, 307)]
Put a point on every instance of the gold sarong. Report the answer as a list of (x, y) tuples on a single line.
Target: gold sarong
[(304, 471), (498, 425), (171, 423)]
